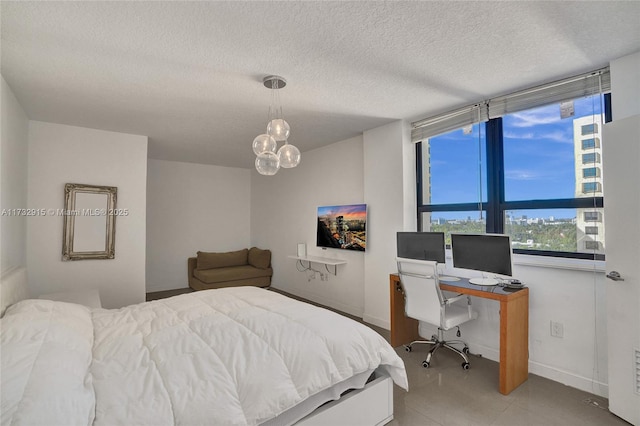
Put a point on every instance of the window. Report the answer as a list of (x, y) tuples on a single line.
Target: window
[(544, 229), (591, 157), (451, 170), (457, 222), (591, 217), (592, 245), (520, 173), (590, 187), (591, 230), (589, 129), (539, 151), (590, 172), (590, 143)]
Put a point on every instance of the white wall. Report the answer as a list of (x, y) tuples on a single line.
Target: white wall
[(60, 154), (625, 86), (284, 213), (389, 192), (192, 207), (13, 155)]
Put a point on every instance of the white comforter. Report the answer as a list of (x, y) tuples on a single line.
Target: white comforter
[(232, 356)]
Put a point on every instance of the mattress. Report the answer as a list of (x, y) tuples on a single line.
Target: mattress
[(242, 356)]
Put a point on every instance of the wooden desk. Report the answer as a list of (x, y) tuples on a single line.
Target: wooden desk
[(514, 325)]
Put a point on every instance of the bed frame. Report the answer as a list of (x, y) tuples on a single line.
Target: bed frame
[(370, 406)]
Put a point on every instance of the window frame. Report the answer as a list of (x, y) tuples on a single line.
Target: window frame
[(590, 172), (592, 129), (597, 187), (596, 158), (588, 230), (496, 206), (590, 143), (592, 220)]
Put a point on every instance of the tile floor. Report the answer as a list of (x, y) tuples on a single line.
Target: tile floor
[(445, 394)]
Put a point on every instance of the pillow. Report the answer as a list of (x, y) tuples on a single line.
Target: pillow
[(46, 355), (260, 259), (221, 260)]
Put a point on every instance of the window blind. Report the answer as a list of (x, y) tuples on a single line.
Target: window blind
[(598, 81), (428, 127)]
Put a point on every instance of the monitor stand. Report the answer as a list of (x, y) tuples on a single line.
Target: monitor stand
[(484, 281), (447, 277)]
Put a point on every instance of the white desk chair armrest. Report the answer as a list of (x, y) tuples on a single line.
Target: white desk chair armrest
[(455, 299), (458, 297)]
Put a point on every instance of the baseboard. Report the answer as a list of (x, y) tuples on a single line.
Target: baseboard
[(476, 348), (150, 288), (570, 379), (548, 372), (386, 324)]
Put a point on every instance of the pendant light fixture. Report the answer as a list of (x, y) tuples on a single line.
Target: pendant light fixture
[(268, 160)]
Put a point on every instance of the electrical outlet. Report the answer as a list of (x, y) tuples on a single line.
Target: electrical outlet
[(557, 329)]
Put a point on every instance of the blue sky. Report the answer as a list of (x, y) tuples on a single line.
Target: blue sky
[(539, 159)]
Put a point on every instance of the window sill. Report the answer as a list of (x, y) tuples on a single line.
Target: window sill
[(559, 263)]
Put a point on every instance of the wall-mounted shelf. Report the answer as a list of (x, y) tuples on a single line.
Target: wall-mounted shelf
[(326, 261)]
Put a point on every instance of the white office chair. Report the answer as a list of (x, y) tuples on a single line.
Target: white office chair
[(425, 302)]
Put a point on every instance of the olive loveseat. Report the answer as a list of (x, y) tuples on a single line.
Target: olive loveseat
[(230, 269)]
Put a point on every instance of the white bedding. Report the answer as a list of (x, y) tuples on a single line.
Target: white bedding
[(229, 356)]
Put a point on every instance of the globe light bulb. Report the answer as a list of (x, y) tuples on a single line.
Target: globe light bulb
[(264, 143), (278, 129), (267, 163), (289, 156)]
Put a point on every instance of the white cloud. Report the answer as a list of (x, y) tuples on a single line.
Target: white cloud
[(521, 174), (536, 117), (519, 135), (554, 135)]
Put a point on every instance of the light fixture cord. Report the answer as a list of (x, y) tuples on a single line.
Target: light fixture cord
[(278, 103), (275, 107), (272, 104)]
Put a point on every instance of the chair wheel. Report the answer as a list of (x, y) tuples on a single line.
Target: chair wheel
[(407, 348), (425, 364), (465, 350), (465, 365)]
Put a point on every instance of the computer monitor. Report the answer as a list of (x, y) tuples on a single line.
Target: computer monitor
[(421, 246), (488, 253)]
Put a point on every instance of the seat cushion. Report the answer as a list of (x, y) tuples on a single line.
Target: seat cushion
[(259, 258), (456, 315), (232, 273), (222, 260)]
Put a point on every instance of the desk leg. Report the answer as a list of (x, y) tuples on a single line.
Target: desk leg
[(403, 330), (514, 342)]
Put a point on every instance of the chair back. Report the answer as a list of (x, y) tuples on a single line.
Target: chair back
[(423, 297)]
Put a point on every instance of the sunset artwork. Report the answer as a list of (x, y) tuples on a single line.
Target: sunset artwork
[(343, 227)]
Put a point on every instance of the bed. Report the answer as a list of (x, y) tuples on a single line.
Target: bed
[(234, 356)]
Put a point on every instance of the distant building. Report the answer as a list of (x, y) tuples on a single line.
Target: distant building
[(587, 141)]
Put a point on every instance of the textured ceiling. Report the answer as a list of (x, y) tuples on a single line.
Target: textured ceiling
[(188, 74)]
